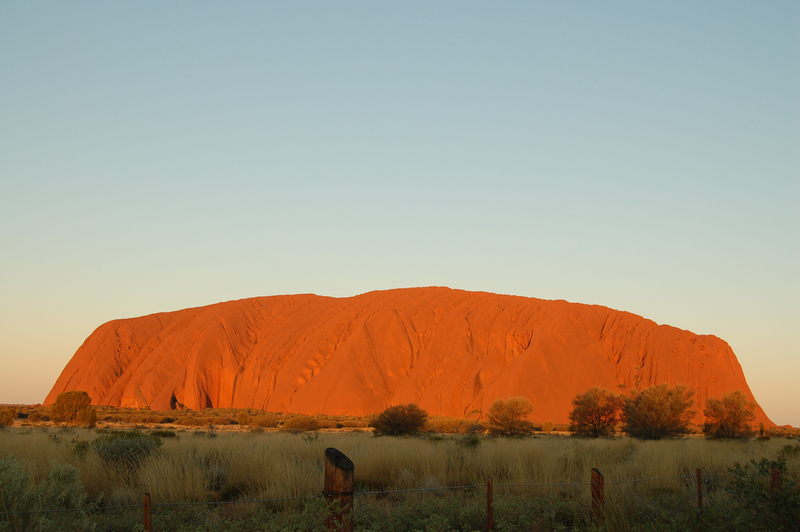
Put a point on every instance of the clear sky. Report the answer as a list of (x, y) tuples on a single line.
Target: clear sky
[(161, 155)]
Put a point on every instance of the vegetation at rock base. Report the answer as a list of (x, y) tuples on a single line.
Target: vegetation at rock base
[(400, 420), (507, 417), (658, 412), (729, 417), (7, 416), (300, 423), (595, 413)]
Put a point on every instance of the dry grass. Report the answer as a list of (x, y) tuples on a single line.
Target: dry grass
[(196, 467)]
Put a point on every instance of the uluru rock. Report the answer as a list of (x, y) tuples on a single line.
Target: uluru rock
[(450, 351)]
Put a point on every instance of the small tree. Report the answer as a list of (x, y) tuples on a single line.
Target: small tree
[(595, 412), (507, 418), (729, 417), (658, 412), (400, 420), (67, 406)]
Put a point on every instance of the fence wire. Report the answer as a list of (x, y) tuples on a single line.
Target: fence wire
[(543, 484), (632, 480), (418, 489), (358, 493), (219, 503), (66, 510)]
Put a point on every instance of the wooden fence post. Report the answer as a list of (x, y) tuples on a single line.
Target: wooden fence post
[(699, 490), (338, 490), (489, 510), (598, 494), (147, 512), (774, 480)]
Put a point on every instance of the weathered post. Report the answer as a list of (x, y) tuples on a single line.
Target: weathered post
[(147, 512), (699, 490), (338, 490), (598, 494), (489, 511), (774, 480)]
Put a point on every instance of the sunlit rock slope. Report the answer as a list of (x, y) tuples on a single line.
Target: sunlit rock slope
[(450, 351)]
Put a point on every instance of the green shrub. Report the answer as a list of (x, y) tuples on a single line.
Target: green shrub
[(61, 490), (755, 506), (125, 449), (400, 420), (81, 448)]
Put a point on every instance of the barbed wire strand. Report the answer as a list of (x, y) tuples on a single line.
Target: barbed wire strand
[(66, 510), (624, 481), (544, 484), (418, 489), (357, 493), (248, 501)]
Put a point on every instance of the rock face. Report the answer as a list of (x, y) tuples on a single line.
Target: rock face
[(450, 351)]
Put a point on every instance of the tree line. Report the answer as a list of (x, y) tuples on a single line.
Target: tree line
[(653, 413), (659, 412)]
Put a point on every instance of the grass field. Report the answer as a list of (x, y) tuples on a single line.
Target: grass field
[(203, 466)]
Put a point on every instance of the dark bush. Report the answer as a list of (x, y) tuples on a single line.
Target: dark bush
[(68, 405), (164, 434), (729, 417), (507, 418), (595, 413), (658, 412), (400, 420)]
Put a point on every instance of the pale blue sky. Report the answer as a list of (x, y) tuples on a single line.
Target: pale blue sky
[(155, 156)]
